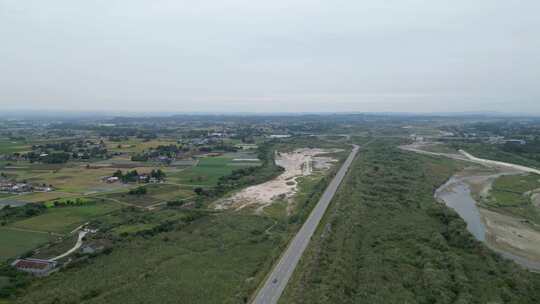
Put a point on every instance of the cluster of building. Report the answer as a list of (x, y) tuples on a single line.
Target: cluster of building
[(502, 140), (13, 187), (145, 178), (142, 178)]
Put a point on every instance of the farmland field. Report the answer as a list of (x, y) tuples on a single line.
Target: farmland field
[(77, 179), (15, 242), (156, 193), (65, 219), (10, 146), (207, 172), (37, 197)]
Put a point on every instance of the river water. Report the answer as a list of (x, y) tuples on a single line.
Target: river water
[(456, 194)]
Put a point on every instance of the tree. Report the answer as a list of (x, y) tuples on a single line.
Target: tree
[(138, 191), (198, 191), (157, 174)]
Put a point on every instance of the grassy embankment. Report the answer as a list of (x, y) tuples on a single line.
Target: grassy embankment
[(495, 152), (386, 240)]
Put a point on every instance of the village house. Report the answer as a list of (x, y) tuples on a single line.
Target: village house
[(111, 179), (516, 141), (246, 146), (15, 187), (36, 267)]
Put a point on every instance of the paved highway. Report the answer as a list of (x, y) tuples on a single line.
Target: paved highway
[(282, 272)]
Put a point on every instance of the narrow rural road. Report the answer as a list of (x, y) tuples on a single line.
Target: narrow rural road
[(78, 245), (465, 156), (276, 282)]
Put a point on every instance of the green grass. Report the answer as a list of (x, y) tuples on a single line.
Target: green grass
[(440, 148), (8, 146), (136, 145), (67, 201), (509, 195), (65, 219), (3, 301), (156, 193), (216, 259), (385, 239), (14, 242), (57, 247), (3, 282), (207, 172), (133, 228)]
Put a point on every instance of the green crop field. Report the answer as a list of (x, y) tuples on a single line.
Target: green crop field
[(77, 179), (65, 219), (15, 242), (8, 146), (207, 172)]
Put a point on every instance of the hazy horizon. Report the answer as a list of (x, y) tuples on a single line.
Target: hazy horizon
[(235, 56)]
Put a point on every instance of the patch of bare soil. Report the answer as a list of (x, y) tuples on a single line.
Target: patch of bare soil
[(298, 163), (511, 234), (504, 233)]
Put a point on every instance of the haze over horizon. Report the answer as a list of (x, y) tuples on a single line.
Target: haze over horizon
[(279, 56)]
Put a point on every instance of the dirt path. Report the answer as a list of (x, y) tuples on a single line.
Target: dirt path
[(78, 245)]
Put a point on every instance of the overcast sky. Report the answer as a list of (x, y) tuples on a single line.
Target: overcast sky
[(270, 56)]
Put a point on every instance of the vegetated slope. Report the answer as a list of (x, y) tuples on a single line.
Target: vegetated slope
[(386, 240), (215, 259)]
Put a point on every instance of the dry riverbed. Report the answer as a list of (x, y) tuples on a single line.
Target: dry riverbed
[(299, 163)]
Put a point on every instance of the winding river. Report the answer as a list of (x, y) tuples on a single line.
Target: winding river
[(456, 194)]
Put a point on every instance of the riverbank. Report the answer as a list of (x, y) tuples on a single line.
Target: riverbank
[(510, 236)]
